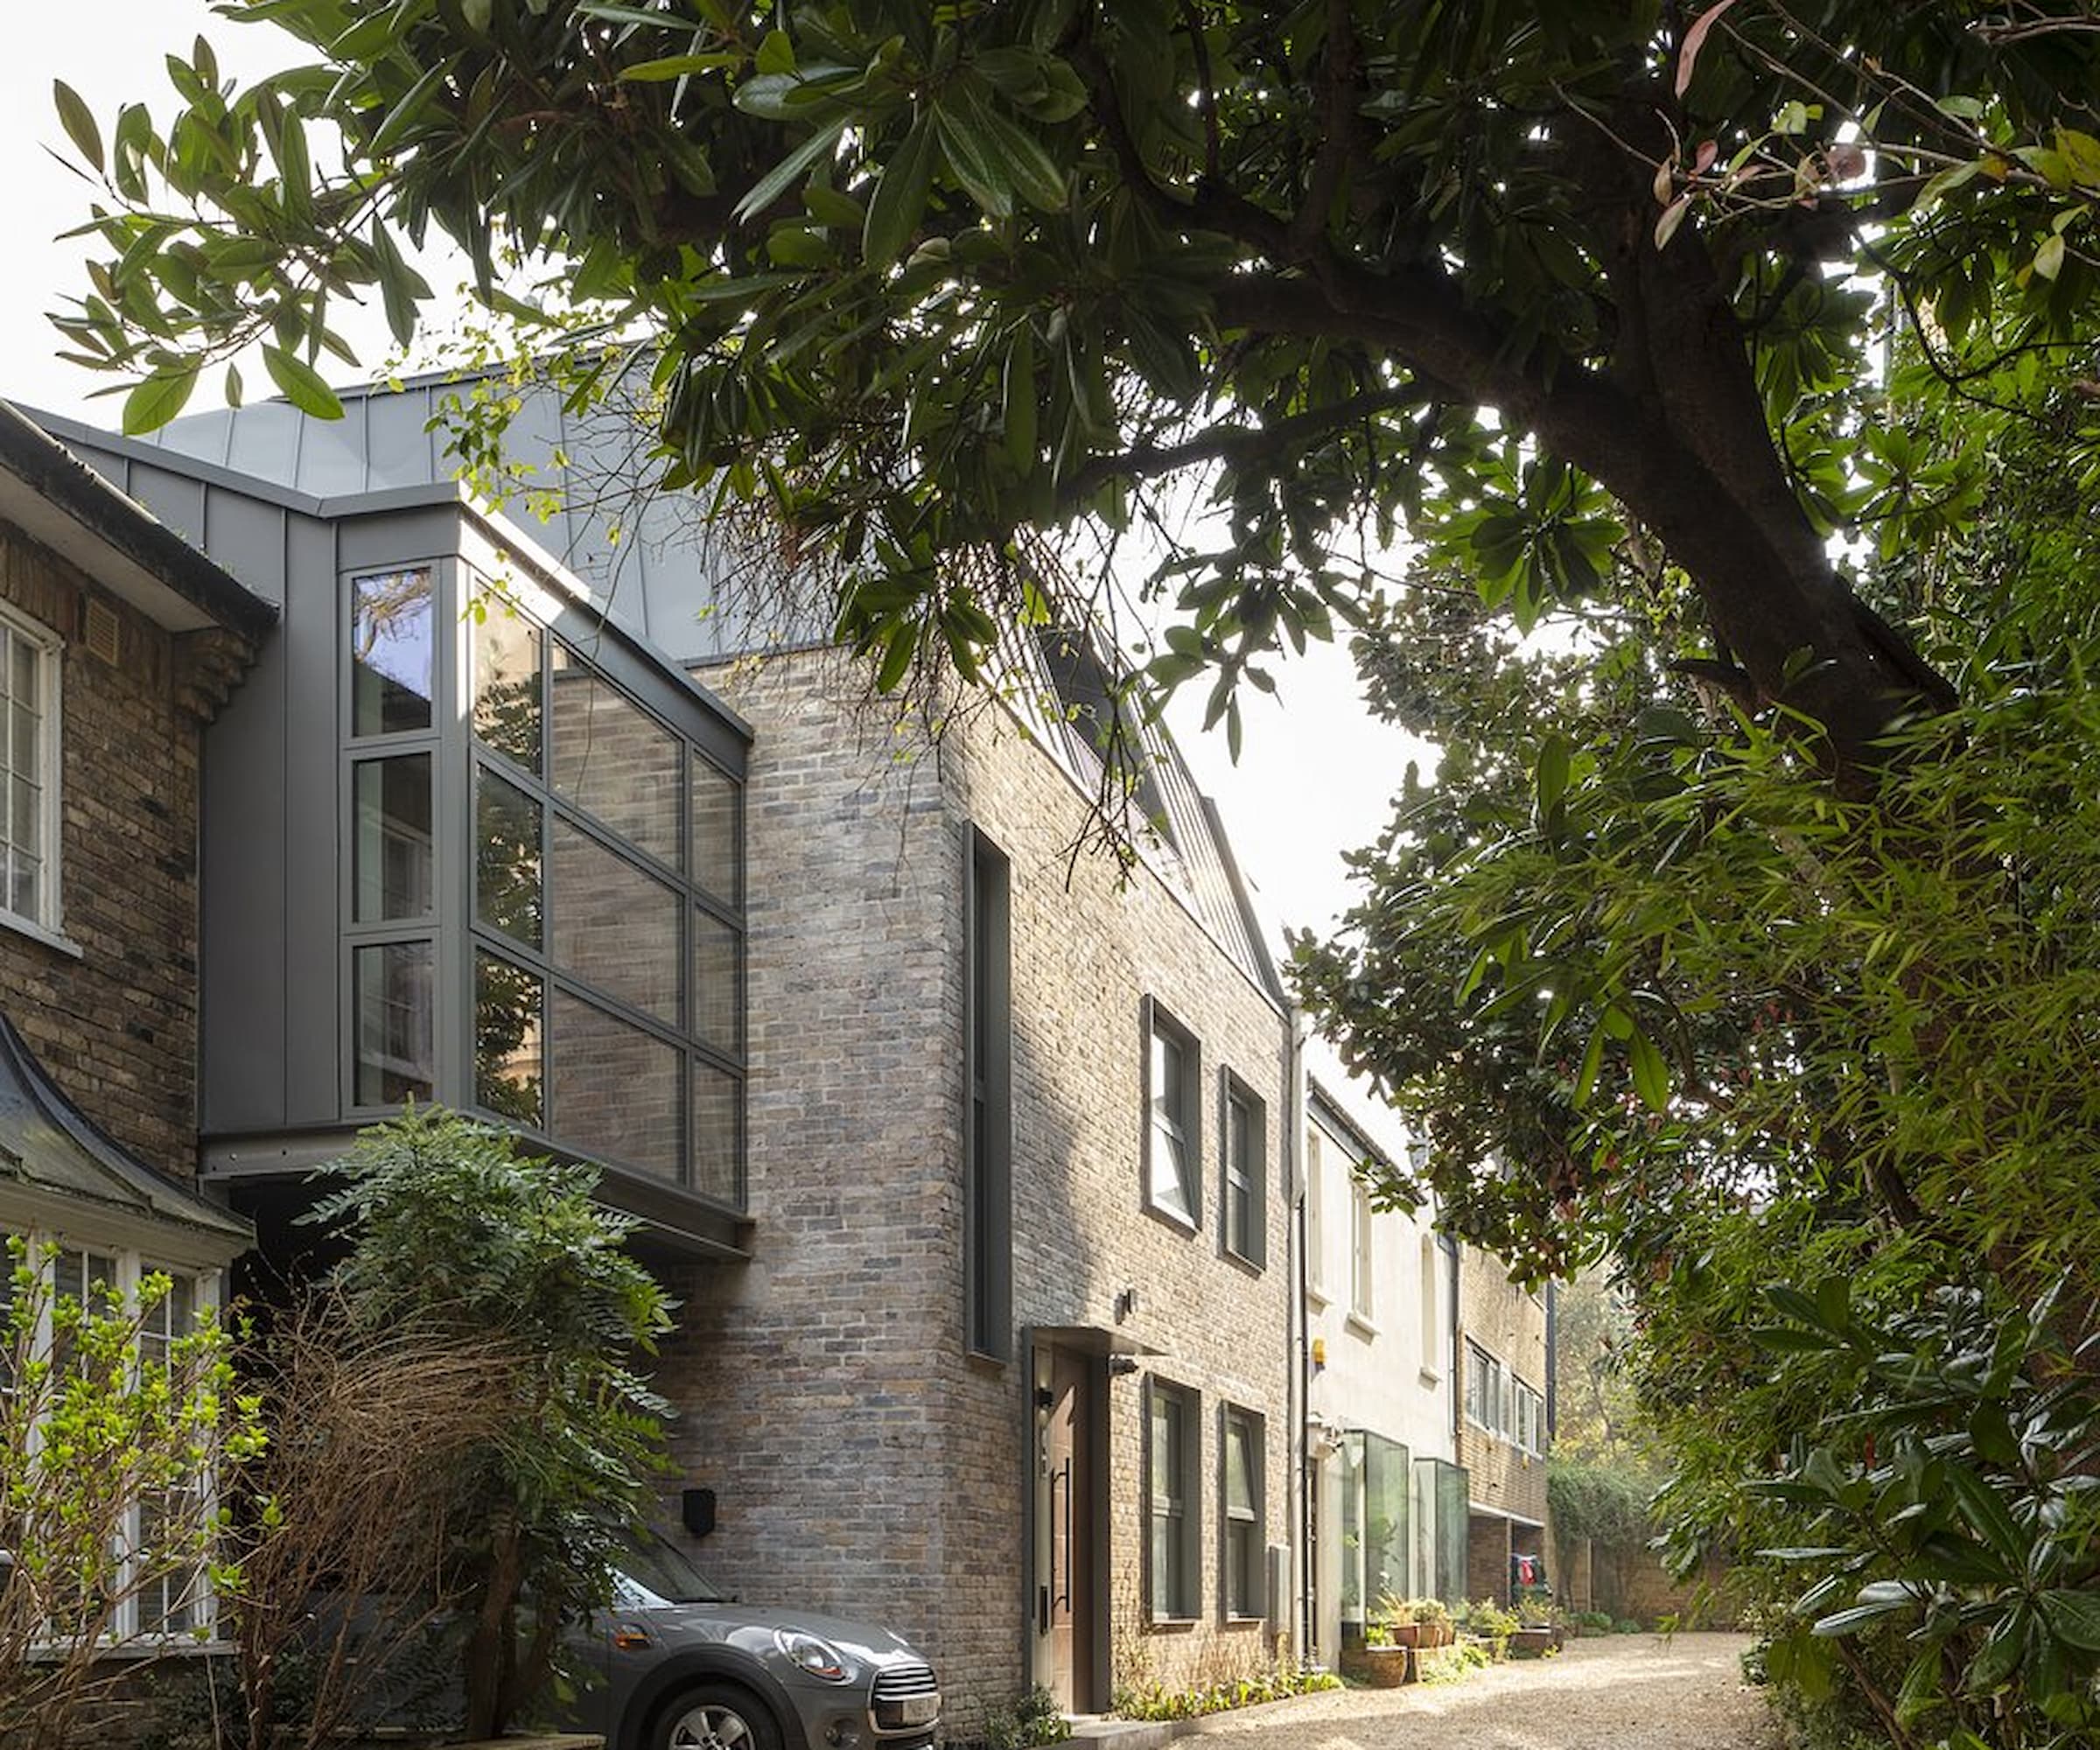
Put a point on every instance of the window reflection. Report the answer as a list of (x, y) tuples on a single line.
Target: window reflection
[(718, 832), (507, 682), (391, 644), (509, 1004), (612, 925), (717, 983), (614, 759), (392, 857), (507, 858), (396, 1034), (616, 1089)]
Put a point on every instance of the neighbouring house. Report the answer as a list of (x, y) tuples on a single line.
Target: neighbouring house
[(119, 645), (969, 1158), (1388, 1498), (1505, 1424)]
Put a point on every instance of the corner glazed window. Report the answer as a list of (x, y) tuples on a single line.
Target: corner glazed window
[(29, 770)]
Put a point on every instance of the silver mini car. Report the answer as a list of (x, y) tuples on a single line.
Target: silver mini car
[(685, 1668)]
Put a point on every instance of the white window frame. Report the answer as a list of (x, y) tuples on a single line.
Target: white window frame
[(1488, 1394), (131, 1268), (1430, 1305), (1363, 1300), (47, 922)]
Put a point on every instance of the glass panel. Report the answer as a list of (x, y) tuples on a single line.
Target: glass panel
[(22, 749), (718, 862), (614, 759), (391, 833), (22, 669), (507, 858), (717, 1133), (612, 925), (507, 682), (1239, 1464), (173, 1318), (1388, 1489), (509, 1004), (396, 1029), (617, 1090), (1170, 1178), (717, 983), (26, 884), (392, 623), (25, 804)]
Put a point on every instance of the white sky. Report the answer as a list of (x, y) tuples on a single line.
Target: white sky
[(1315, 774)]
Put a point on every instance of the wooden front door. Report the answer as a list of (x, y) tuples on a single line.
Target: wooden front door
[(1064, 1540)]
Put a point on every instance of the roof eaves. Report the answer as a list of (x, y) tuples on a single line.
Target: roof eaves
[(125, 531)]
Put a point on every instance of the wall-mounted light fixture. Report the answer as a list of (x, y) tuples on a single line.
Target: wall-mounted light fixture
[(1320, 1352), (1126, 1305)]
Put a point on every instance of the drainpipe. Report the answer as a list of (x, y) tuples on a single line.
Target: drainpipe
[(1301, 1347)]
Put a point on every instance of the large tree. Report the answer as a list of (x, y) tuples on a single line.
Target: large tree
[(932, 276)]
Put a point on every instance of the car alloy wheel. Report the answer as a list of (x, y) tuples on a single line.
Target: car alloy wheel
[(715, 1722)]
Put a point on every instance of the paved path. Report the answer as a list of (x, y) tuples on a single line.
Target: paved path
[(1611, 1692)]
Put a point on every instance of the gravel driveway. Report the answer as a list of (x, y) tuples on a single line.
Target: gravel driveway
[(1614, 1692)]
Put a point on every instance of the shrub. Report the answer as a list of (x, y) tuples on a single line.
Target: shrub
[(1034, 1719), (116, 1436), (1155, 1702), (451, 1231)]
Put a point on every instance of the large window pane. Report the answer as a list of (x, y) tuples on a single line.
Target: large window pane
[(509, 1004), (507, 858), (717, 983), (393, 625), (718, 862), (717, 1135), (614, 759), (392, 860), (612, 925), (617, 1091), (396, 1032), (507, 682)]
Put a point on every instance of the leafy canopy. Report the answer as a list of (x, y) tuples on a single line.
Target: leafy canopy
[(929, 278)]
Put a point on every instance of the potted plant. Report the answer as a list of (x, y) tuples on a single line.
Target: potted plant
[(1379, 1661), (1487, 1622), (1538, 1629)]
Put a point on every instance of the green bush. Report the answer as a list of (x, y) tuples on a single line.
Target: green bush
[(1032, 1720), (1154, 1701)]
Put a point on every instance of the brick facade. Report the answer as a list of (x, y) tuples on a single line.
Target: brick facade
[(116, 1023), (1505, 1482), (864, 1462)]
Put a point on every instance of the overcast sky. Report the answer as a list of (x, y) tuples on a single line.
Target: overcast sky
[(1315, 774)]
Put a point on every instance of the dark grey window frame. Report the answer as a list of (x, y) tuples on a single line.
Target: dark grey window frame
[(1183, 1579), (1254, 1608), (456, 936), (988, 1103), (1156, 1021), (1234, 1092)]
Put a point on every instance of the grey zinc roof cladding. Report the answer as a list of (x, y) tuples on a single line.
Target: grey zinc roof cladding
[(65, 504), (660, 579), (48, 1142)]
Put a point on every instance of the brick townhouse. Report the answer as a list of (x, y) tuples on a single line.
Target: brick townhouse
[(1505, 1358), (119, 645), (969, 1158)]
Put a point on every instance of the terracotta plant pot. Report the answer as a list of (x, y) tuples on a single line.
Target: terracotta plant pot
[(1380, 1668), (1534, 1643)]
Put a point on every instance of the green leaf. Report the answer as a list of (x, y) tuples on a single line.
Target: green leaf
[(1552, 776), (1019, 410), (2073, 1617), (1651, 1074), (776, 53), (777, 181), (668, 67), (899, 199), (78, 120), (304, 387), (157, 399), (974, 163), (1985, 1509), (2048, 259)]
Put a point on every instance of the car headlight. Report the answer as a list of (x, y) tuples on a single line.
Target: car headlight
[(812, 1654)]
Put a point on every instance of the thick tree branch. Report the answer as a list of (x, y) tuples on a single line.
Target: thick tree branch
[(1273, 440), (1338, 126)]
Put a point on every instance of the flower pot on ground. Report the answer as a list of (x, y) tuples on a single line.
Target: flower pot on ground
[(1380, 1666), (1534, 1642)]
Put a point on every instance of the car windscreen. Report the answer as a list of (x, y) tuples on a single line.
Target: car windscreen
[(664, 1570)]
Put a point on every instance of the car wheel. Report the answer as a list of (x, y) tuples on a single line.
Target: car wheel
[(715, 1717)]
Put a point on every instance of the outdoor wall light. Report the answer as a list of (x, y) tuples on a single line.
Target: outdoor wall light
[(696, 1510), (1126, 1305)]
